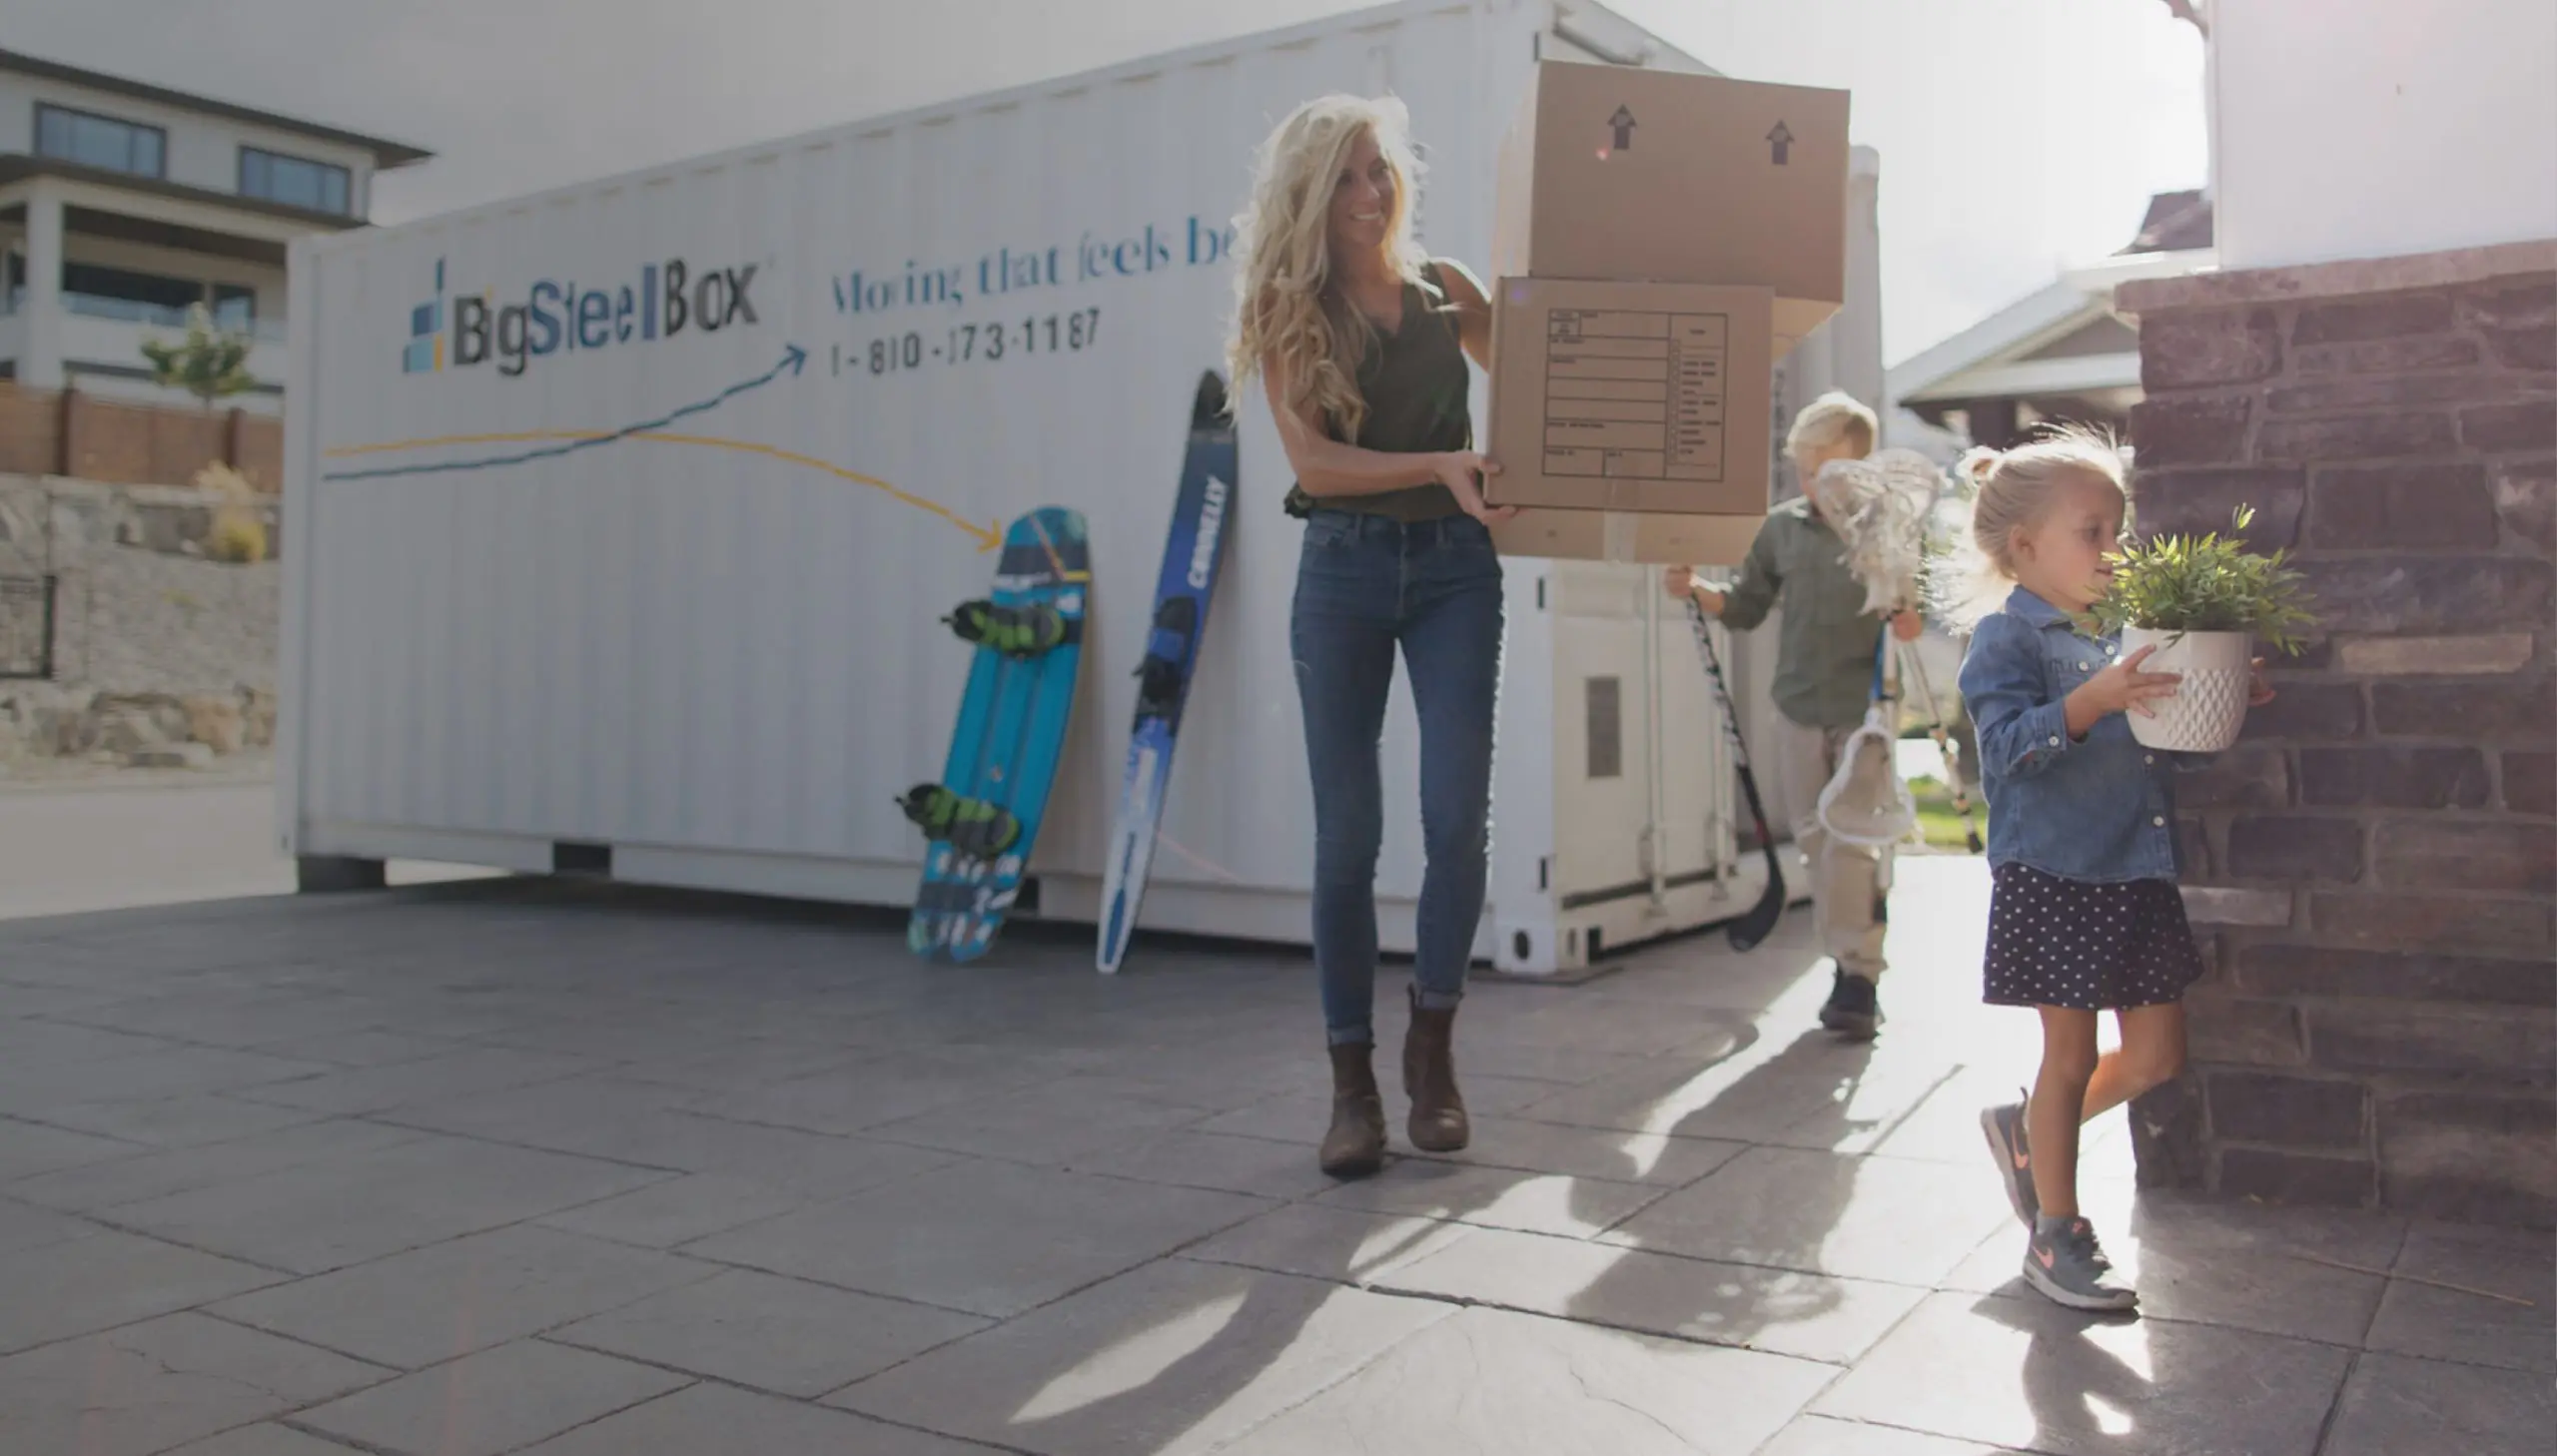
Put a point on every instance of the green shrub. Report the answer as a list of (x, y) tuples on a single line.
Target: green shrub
[(2209, 585), (237, 537)]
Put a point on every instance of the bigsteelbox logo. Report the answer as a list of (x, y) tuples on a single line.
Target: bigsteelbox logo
[(566, 317)]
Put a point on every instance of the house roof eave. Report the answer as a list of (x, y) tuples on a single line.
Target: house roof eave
[(387, 153), (19, 167), (2078, 297)]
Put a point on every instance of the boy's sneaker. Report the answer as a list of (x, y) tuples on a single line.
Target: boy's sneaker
[(2006, 1128), (1851, 1008), (2063, 1261)]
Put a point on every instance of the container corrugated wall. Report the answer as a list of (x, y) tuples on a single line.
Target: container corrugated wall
[(712, 642)]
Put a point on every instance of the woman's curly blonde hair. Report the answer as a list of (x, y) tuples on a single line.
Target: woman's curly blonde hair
[(1288, 315)]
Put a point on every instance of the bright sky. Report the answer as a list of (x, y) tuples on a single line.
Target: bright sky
[(2016, 134)]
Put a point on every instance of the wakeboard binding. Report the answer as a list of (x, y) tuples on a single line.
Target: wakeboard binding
[(1159, 675), (971, 826), (1014, 631)]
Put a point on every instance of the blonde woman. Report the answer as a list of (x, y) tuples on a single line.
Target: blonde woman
[(1360, 342)]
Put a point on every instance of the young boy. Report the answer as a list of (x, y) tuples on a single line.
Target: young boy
[(1824, 682)]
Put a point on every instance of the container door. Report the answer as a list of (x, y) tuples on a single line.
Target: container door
[(1605, 686)]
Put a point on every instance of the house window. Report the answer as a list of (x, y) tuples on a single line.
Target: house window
[(294, 181), (101, 141), (126, 296), (235, 307)]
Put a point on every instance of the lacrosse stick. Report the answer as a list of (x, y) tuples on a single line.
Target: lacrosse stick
[(1880, 507), (1945, 746)]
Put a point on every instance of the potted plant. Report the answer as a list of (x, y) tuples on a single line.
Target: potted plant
[(2202, 604)]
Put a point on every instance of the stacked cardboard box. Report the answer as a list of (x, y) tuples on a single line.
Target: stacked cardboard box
[(1662, 239)]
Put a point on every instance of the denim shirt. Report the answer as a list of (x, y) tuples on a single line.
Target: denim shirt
[(2102, 809)]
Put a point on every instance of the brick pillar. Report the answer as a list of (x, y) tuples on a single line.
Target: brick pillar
[(2374, 861)]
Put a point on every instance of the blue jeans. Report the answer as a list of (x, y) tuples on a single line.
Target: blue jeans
[(1366, 584)]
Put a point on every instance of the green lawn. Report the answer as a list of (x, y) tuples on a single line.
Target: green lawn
[(1936, 819)]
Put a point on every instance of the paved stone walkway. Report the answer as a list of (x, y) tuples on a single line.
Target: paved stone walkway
[(140, 837), (501, 1166)]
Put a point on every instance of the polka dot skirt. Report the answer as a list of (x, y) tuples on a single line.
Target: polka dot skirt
[(2086, 946)]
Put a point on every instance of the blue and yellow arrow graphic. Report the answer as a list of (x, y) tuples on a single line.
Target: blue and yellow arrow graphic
[(654, 431)]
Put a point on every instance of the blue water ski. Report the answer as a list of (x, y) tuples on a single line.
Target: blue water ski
[(1010, 734), (1192, 554)]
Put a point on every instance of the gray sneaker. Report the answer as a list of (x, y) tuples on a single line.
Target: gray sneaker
[(2063, 1261), (2006, 1128)]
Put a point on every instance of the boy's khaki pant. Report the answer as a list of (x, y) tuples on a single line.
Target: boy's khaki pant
[(1847, 880)]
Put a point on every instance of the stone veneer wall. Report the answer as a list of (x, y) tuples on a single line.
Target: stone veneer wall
[(2375, 860), (155, 647)]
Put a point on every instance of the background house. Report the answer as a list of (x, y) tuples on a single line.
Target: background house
[(2062, 352), (123, 202)]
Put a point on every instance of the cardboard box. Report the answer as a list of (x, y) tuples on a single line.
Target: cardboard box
[(1630, 174), (1623, 535), (1630, 397)]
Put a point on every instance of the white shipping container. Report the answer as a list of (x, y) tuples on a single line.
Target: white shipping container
[(625, 514)]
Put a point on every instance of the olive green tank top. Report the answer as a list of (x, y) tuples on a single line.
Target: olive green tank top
[(1414, 382)]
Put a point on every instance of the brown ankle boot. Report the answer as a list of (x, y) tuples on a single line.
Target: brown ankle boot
[(1439, 1123), (1355, 1145)]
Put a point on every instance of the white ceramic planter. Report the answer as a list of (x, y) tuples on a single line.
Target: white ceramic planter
[(2209, 706)]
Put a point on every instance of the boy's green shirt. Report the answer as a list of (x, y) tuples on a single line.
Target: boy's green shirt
[(1825, 649)]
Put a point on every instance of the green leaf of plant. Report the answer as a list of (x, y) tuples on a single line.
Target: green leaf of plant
[(2180, 585)]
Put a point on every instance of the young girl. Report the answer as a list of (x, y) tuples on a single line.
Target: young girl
[(2083, 912)]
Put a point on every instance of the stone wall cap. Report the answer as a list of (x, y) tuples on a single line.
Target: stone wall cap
[(74, 487), (2343, 278)]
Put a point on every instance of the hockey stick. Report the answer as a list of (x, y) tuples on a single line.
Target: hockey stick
[(1754, 927)]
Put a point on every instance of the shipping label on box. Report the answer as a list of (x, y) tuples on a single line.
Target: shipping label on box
[(1624, 535), (1631, 174), (1630, 397)]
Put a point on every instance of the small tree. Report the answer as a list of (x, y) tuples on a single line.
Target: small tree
[(211, 363)]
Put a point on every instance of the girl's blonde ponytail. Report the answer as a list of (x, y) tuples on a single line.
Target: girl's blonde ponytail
[(2005, 491)]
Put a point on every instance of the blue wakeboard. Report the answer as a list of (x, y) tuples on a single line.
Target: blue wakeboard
[(1191, 553), (1011, 732)]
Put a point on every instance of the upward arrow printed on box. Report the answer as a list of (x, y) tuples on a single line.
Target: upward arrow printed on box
[(1622, 122), (1781, 141)]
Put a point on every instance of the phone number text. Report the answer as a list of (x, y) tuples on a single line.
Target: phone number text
[(971, 344)]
